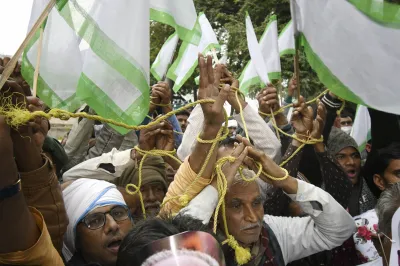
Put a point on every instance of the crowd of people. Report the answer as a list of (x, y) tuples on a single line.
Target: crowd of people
[(102, 198)]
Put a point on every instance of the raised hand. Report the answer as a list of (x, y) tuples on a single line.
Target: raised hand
[(213, 112), (162, 91), (292, 87), (302, 119), (319, 122), (267, 99), (165, 139), (226, 77), (26, 150)]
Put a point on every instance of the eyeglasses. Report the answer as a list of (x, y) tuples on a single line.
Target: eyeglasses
[(97, 220)]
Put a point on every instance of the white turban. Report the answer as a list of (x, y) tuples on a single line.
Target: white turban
[(80, 198)]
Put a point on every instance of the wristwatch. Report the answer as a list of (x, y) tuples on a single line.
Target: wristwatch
[(10, 191)]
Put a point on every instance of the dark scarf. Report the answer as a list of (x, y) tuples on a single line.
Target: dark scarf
[(77, 260), (266, 252), (361, 199)]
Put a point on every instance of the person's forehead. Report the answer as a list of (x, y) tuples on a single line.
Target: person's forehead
[(153, 184), (347, 118), (182, 116), (102, 209), (394, 165), (347, 151), (245, 192)]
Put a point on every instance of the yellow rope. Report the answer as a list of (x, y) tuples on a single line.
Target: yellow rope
[(15, 116), (291, 105), (161, 104)]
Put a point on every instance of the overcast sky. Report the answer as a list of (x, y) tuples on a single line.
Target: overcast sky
[(14, 21)]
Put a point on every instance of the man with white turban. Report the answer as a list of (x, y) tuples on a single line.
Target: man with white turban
[(98, 221)]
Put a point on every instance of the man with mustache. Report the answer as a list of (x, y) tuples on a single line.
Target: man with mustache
[(272, 240)]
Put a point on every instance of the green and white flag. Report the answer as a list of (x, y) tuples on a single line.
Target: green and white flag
[(286, 40), (164, 57), (180, 14), (353, 49), (112, 76), (184, 66), (267, 50), (60, 63), (361, 131)]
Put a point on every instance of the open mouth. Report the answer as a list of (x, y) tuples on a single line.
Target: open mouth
[(152, 208), (351, 173), (114, 246)]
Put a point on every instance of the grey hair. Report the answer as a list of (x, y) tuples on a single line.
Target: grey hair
[(387, 205), (165, 254), (263, 186)]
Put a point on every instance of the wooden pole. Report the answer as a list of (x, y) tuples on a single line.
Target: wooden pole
[(39, 55), (11, 65), (297, 72)]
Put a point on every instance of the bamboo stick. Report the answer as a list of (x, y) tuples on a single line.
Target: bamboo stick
[(39, 55)]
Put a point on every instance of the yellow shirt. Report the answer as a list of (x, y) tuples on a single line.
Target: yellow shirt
[(42, 253), (182, 180)]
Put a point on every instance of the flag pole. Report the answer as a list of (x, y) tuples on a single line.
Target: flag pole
[(38, 57), (214, 52), (11, 65), (297, 44), (297, 72)]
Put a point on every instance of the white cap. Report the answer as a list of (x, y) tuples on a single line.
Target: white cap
[(232, 123)]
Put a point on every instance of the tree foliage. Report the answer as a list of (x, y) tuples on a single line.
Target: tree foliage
[(228, 20)]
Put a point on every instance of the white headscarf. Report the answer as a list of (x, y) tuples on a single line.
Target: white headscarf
[(80, 198)]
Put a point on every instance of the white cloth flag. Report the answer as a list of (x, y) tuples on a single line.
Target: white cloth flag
[(112, 76), (60, 63), (180, 14), (286, 40), (353, 50), (183, 67), (266, 53), (361, 131), (164, 57)]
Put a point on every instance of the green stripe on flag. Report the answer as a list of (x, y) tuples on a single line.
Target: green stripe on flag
[(157, 63), (274, 75), (106, 48), (382, 12), (285, 28), (45, 93), (326, 76), (154, 73), (191, 36), (253, 81), (172, 70), (106, 107), (288, 52)]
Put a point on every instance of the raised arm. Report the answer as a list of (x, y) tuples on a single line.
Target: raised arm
[(213, 120), (25, 239)]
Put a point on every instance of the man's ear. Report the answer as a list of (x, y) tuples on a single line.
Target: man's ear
[(379, 182)]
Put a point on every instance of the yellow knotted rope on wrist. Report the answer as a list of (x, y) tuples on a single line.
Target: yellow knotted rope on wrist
[(221, 135)]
